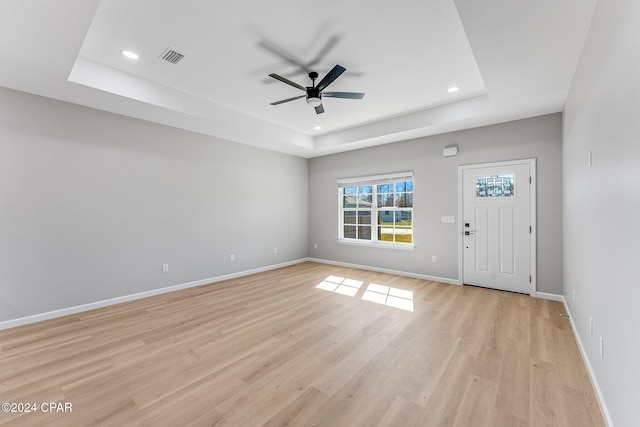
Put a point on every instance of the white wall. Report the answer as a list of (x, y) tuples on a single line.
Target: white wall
[(602, 204), (436, 195), (92, 204)]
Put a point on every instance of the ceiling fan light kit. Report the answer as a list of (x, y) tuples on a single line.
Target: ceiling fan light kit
[(314, 93), (313, 101)]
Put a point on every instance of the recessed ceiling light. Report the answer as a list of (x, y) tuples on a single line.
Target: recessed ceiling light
[(129, 54), (317, 127), (453, 89)]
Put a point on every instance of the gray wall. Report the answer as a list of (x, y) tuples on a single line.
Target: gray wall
[(92, 204), (602, 204), (436, 195)]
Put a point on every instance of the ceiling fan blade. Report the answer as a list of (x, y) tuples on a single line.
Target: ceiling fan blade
[(330, 77), (287, 81), (287, 75), (328, 46), (286, 56), (287, 100), (346, 95), (319, 109)]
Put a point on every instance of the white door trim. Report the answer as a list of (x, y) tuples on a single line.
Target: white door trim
[(532, 213)]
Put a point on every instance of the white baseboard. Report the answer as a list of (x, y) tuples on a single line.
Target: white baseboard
[(126, 298), (387, 270), (594, 381), (552, 297)]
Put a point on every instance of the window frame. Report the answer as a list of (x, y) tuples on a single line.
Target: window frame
[(374, 181)]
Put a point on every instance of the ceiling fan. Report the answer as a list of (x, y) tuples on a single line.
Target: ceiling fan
[(315, 93)]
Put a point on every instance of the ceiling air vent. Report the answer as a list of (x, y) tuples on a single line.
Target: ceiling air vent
[(171, 55)]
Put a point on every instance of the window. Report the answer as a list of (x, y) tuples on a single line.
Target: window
[(377, 209), (495, 186)]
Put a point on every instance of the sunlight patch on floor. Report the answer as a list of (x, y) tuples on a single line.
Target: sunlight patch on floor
[(340, 285), (379, 294), (393, 297)]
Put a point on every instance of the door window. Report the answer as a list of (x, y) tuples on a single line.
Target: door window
[(495, 186)]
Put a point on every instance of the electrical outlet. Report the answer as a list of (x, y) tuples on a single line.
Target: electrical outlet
[(574, 296), (590, 326), (315, 246), (165, 268), (434, 258), (233, 257), (275, 250), (602, 347), (590, 158)]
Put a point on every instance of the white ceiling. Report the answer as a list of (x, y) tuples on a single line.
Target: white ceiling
[(511, 59)]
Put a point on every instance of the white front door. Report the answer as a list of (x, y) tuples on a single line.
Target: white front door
[(497, 226)]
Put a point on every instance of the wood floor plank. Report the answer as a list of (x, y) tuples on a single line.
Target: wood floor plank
[(363, 400), (514, 395), (478, 403), (274, 349), (297, 412), (500, 419), (194, 404), (444, 403), (489, 362), (403, 413), (546, 395)]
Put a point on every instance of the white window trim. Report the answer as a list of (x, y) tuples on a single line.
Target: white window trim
[(377, 244), (373, 181)]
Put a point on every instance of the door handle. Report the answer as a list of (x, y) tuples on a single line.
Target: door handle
[(470, 232)]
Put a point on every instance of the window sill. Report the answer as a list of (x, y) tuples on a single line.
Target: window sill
[(402, 247)]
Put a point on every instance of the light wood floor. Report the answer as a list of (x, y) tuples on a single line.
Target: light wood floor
[(272, 349)]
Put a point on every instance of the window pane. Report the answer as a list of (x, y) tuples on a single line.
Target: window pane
[(385, 218), (349, 202), (481, 187), (364, 232), (364, 217), (403, 235), (365, 189), (404, 200), (350, 190), (385, 233), (404, 186), (404, 218), (364, 200), (349, 217), (385, 188), (349, 232), (385, 200)]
